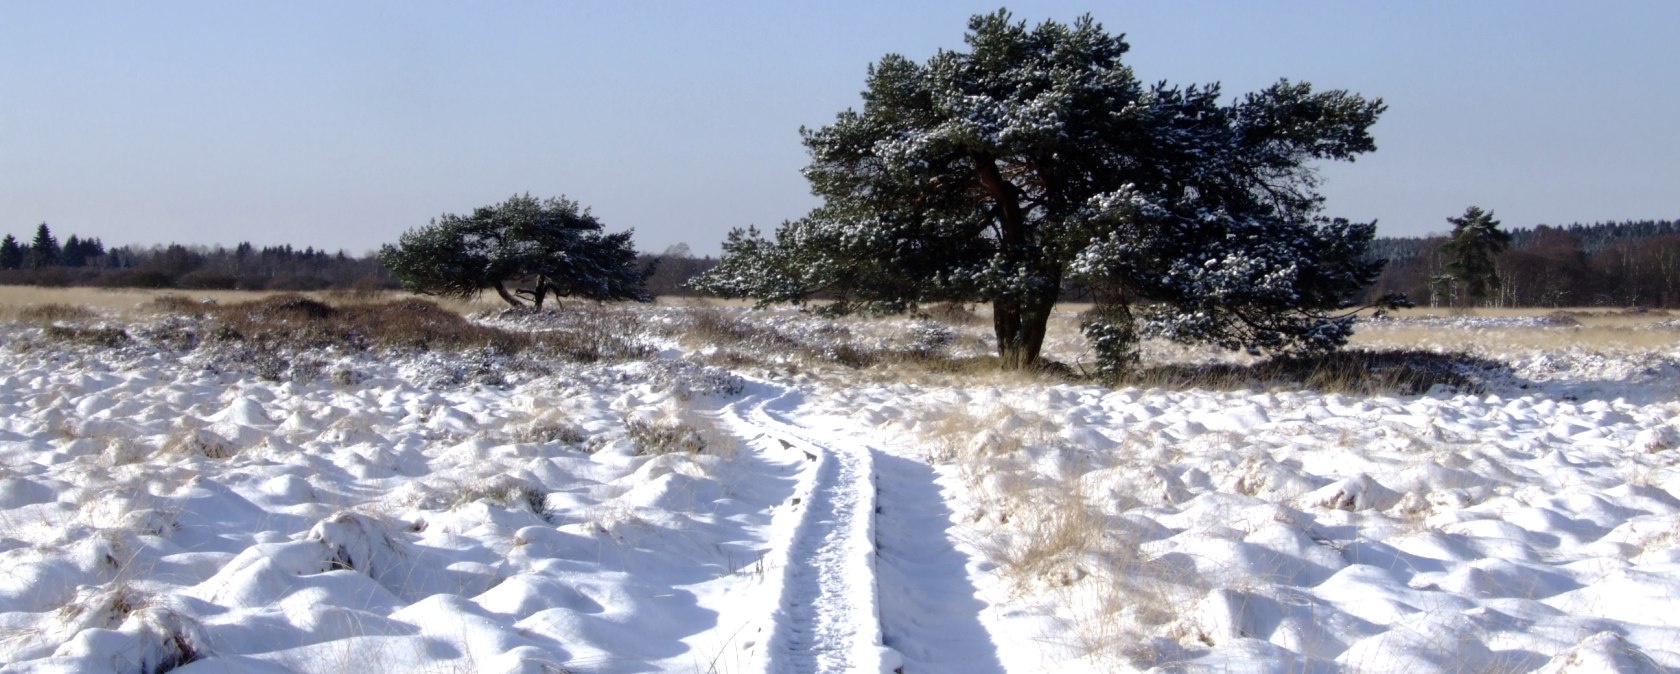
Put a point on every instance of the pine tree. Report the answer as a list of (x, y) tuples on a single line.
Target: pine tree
[(998, 173), (11, 253), (552, 243), (44, 250), (92, 250), (1476, 241), (73, 254)]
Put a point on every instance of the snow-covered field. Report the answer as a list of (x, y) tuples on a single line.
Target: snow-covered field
[(740, 503)]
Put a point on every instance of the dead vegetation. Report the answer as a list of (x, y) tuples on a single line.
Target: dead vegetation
[(1356, 371)]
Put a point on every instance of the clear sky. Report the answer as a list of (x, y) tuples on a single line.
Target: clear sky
[(341, 124)]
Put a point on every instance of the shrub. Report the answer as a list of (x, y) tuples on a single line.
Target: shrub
[(207, 279), (550, 432), (652, 438), (1114, 340), (929, 337), (1406, 372), (507, 490), (591, 332), (177, 305), (107, 337), (56, 313)]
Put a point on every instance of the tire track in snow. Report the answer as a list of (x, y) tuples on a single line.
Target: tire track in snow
[(864, 529), (827, 613)]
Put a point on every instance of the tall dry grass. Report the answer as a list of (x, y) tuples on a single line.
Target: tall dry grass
[(127, 302), (1048, 536)]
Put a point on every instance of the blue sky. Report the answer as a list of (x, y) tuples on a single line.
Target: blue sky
[(340, 125)]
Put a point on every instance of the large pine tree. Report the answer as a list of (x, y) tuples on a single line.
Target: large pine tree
[(996, 173)]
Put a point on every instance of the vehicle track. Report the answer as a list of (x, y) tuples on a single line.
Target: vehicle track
[(866, 578), (827, 614)]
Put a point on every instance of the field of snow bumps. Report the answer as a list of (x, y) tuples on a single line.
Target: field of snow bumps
[(156, 513), (461, 512), (1290, 531)]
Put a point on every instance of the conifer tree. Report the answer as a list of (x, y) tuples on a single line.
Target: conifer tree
[(44, 250), (1476, 241), (72, 254), (553, 243), (1037, 156), (11, 253)]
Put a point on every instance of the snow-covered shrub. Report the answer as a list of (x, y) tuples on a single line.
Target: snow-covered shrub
[(652, 437), (685, 379), (550, 432), (485, 366), (100, 607), (200, 442), (591, 332), (270, 365), (175, 332), (929, 337), (347, 377), (101, 336), (358, 542), (508, 490), (124, 630)]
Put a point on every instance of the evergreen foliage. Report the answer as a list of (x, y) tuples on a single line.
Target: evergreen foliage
[(1037, 157), (44, 250), (551, 243), (11, 253), (1471, 249)]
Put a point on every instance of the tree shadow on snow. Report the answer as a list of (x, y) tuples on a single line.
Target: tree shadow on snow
[(929, 611)]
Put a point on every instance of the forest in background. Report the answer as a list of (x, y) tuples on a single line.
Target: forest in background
[(43, 260), (1611, 264)]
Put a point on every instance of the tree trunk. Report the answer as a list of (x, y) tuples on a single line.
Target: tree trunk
[(1020, 325), (507, 296), (541, 292)]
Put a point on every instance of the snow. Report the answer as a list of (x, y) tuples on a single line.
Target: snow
[(161, 512)]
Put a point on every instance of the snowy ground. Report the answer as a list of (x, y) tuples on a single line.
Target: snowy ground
[(163, 507)]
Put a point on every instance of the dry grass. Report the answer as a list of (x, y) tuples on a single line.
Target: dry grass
[(1049, 538), (298, 321), (1357, 371), (1596, 328), (126, 301), (674, 427), (1644, 335)]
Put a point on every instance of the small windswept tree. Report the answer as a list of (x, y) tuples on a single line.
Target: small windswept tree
[(552, 244), (1472, 249), (1037, 157)]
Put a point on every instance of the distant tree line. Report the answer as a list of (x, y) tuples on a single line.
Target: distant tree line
[(668, 273), (43, 260), (1620, 264), (89, 262)]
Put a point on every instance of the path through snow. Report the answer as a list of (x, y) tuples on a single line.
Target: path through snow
[(867, 569)]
